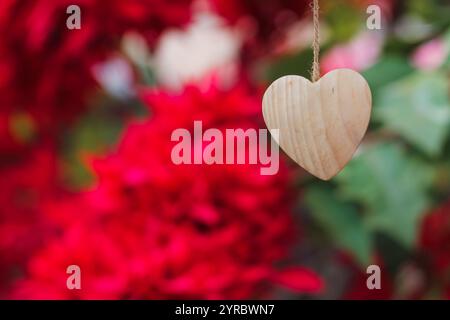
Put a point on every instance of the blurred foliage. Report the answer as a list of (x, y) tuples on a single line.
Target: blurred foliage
[(95, 133), (433, 11), (343, 19), (391, 186), (22, 127), (299, 64), (417, 107), (376, 204), (341, 222), (389, 69)]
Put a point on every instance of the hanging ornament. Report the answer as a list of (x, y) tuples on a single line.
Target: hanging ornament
[(321, 123)]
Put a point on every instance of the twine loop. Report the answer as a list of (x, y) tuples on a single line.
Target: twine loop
[(315, 72)]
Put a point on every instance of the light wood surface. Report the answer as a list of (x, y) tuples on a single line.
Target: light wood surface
[(321, 124)]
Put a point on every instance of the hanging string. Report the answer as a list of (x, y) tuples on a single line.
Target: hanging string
[(315, 72)]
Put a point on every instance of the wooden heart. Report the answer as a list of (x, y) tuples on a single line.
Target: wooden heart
[(321, 124)]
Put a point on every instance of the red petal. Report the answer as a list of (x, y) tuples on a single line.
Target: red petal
[(298, 279)]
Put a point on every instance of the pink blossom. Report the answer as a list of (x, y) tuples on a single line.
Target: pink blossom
[(359, 54), (430, 55)]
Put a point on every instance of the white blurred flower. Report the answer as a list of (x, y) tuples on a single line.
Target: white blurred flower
[(411, 28), (300, 36), (135, 47), (115, 76), (206, 48)]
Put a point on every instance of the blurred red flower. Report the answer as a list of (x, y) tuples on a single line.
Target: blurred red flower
[(151, 229), (46, 68), (358, 289), (263, 21), (435, 237), (435, 243), (27, 182), (45, 76)]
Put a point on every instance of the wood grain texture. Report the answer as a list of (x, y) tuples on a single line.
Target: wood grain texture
[(321, 124)]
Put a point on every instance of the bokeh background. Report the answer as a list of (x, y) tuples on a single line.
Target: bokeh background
[(86, 176)]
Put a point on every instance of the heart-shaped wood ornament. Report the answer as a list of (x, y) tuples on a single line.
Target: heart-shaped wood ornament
[(320, 124)]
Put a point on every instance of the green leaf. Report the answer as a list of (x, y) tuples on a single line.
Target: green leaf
[(391, 186), (418, 109), (447, 45), (343, 21), (95, 133), (299, 64), (22, 127), (341, 222), (389, 69)]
